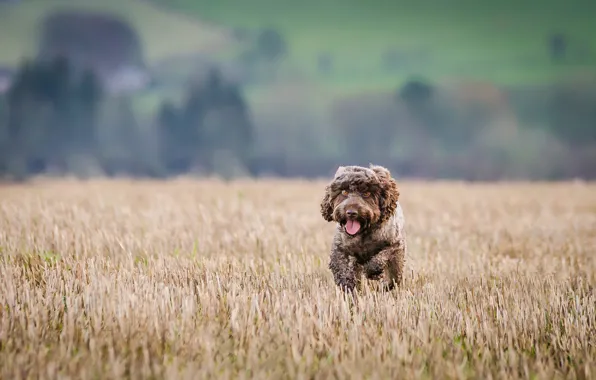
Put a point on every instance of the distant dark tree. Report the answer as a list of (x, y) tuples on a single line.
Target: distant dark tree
[(416, 92), (572, 114), (93, 40), (88, 96), (557, 46), (261, 58), (123, 151), (271, 44), (29, 110), (50, 116), (443, 119), (417, 96), (178, 139), (72, 129), (213, 118)]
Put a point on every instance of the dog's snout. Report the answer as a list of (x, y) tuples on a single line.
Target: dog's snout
[(351, 213)]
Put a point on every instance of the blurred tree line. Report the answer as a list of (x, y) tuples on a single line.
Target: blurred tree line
[(55, 119), (58, 120), (474, 131)]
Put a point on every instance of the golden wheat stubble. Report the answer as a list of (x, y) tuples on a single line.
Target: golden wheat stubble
[(191, 278)]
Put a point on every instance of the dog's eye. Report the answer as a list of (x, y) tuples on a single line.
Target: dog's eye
[(366, 194), (344, 192)]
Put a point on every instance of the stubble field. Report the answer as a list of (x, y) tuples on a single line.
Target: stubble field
[(204, 279)]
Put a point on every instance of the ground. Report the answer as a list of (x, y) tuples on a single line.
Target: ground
[(190, 278)]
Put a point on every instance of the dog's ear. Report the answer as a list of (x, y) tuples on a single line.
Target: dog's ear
[(327, 204), (389, 192)]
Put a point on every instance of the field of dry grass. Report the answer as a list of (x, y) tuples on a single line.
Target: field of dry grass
[(201, 279)]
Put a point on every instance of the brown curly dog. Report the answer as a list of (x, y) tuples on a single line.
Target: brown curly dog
[(370, 235)]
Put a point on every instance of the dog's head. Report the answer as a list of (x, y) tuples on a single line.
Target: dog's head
[(360, 198)]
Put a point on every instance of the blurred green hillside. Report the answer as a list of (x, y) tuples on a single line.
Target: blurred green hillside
[(503, 42), (162, 33), (500, 41)]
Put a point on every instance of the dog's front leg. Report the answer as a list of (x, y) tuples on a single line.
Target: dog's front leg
[(387, 266), (346, 270)]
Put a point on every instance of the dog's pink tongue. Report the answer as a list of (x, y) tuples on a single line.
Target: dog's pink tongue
[(352, 227)]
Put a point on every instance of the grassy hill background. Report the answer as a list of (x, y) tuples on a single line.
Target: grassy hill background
[(162, 33), (503, 42)]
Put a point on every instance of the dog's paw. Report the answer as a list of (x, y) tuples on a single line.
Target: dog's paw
[(373, 270)]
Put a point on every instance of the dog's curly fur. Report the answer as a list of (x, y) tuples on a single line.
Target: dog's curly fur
[(370, 196)]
